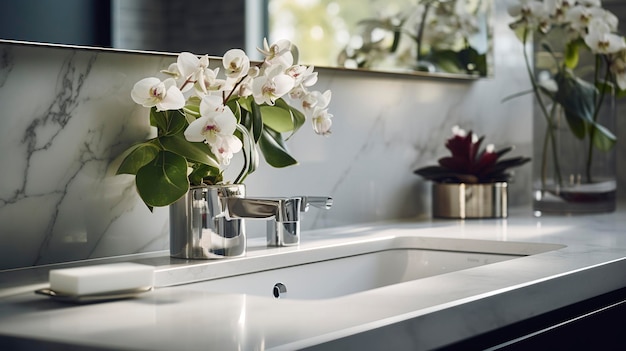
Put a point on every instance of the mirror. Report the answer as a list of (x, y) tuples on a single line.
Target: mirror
[(407, 36), (453, 37)]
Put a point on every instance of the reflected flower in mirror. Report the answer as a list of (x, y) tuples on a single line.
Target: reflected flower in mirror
[(448, 36)]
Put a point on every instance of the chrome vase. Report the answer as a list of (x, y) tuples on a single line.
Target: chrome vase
[(199, 228), (461, 200)]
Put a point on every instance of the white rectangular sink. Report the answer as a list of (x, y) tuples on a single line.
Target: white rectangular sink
[(338, 270)]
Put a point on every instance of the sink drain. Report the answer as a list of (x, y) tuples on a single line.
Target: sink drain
[(279, 288)]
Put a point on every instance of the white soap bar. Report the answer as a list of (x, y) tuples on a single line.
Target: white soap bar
[(101, 278)]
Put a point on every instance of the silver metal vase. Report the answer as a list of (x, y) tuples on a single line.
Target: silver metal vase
[(460, 200), (199, 228)]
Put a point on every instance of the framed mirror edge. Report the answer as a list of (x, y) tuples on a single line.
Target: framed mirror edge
[(425, 75)]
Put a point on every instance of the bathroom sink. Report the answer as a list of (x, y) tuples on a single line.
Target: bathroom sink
[(348, 268)]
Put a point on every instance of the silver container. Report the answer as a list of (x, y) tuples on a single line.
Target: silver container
[(460, 200), (199, 228)]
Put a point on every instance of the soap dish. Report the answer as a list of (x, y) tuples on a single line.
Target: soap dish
[(89, 298)]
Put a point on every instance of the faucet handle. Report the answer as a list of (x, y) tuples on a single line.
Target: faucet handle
[(285, 231), (323, 202)]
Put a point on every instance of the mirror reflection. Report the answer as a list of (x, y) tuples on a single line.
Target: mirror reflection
[(449, 36)]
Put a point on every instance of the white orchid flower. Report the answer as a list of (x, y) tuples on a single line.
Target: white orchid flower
[(590, 3), (172, 71), (467, 23), (215, 127), (165, 95), (236, 63), (605, 16), (553, 6), (224, 147), (271, 86), (526, 8), (193, 71), (302, 75), (601, 41), (211, 80), (532, 12), (245, 87), (558, 8), (316, 100), (322, 122), (298, 92), (579, 18), (618, 68), (278, 53), (211, 104), (254, 72)]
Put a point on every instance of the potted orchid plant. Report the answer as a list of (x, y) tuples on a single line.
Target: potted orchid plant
[(204, 119), (578, 69), (471, 182)]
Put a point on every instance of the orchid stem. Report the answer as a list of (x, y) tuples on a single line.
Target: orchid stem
[(596, 114), (550, 123), (420, 31)]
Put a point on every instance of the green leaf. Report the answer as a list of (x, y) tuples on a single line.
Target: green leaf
[(278, 118), (576, 125), (603, 139), (139, 156), (274, 151), (192, 109), (572, 54), (256, 120), (197, 152), (204, 174), (250, 152), (164, 180), (168, 122), (447, 60), (297, 117), (158, 119), (235, 107), (578, 99), (245, 103)]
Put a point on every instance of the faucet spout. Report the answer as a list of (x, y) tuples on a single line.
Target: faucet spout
[(280, 209), (283, 214), (323, 202)]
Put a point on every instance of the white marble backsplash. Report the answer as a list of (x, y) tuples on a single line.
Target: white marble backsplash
[(67, 115)]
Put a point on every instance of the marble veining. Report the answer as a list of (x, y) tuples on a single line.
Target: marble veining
[(63, 125)]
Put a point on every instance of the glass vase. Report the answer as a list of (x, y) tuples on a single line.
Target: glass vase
[(571, 174)]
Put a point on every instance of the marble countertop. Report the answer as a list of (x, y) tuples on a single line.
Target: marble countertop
[(408, 315)]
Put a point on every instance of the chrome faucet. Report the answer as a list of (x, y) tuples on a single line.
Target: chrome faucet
[(208, 222), (283, 214)]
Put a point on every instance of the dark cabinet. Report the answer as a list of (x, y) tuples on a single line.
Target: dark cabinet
[(595, 324)]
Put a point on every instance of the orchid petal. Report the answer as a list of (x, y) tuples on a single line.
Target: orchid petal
[(194, 131), (236, 63), (188, 64)]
